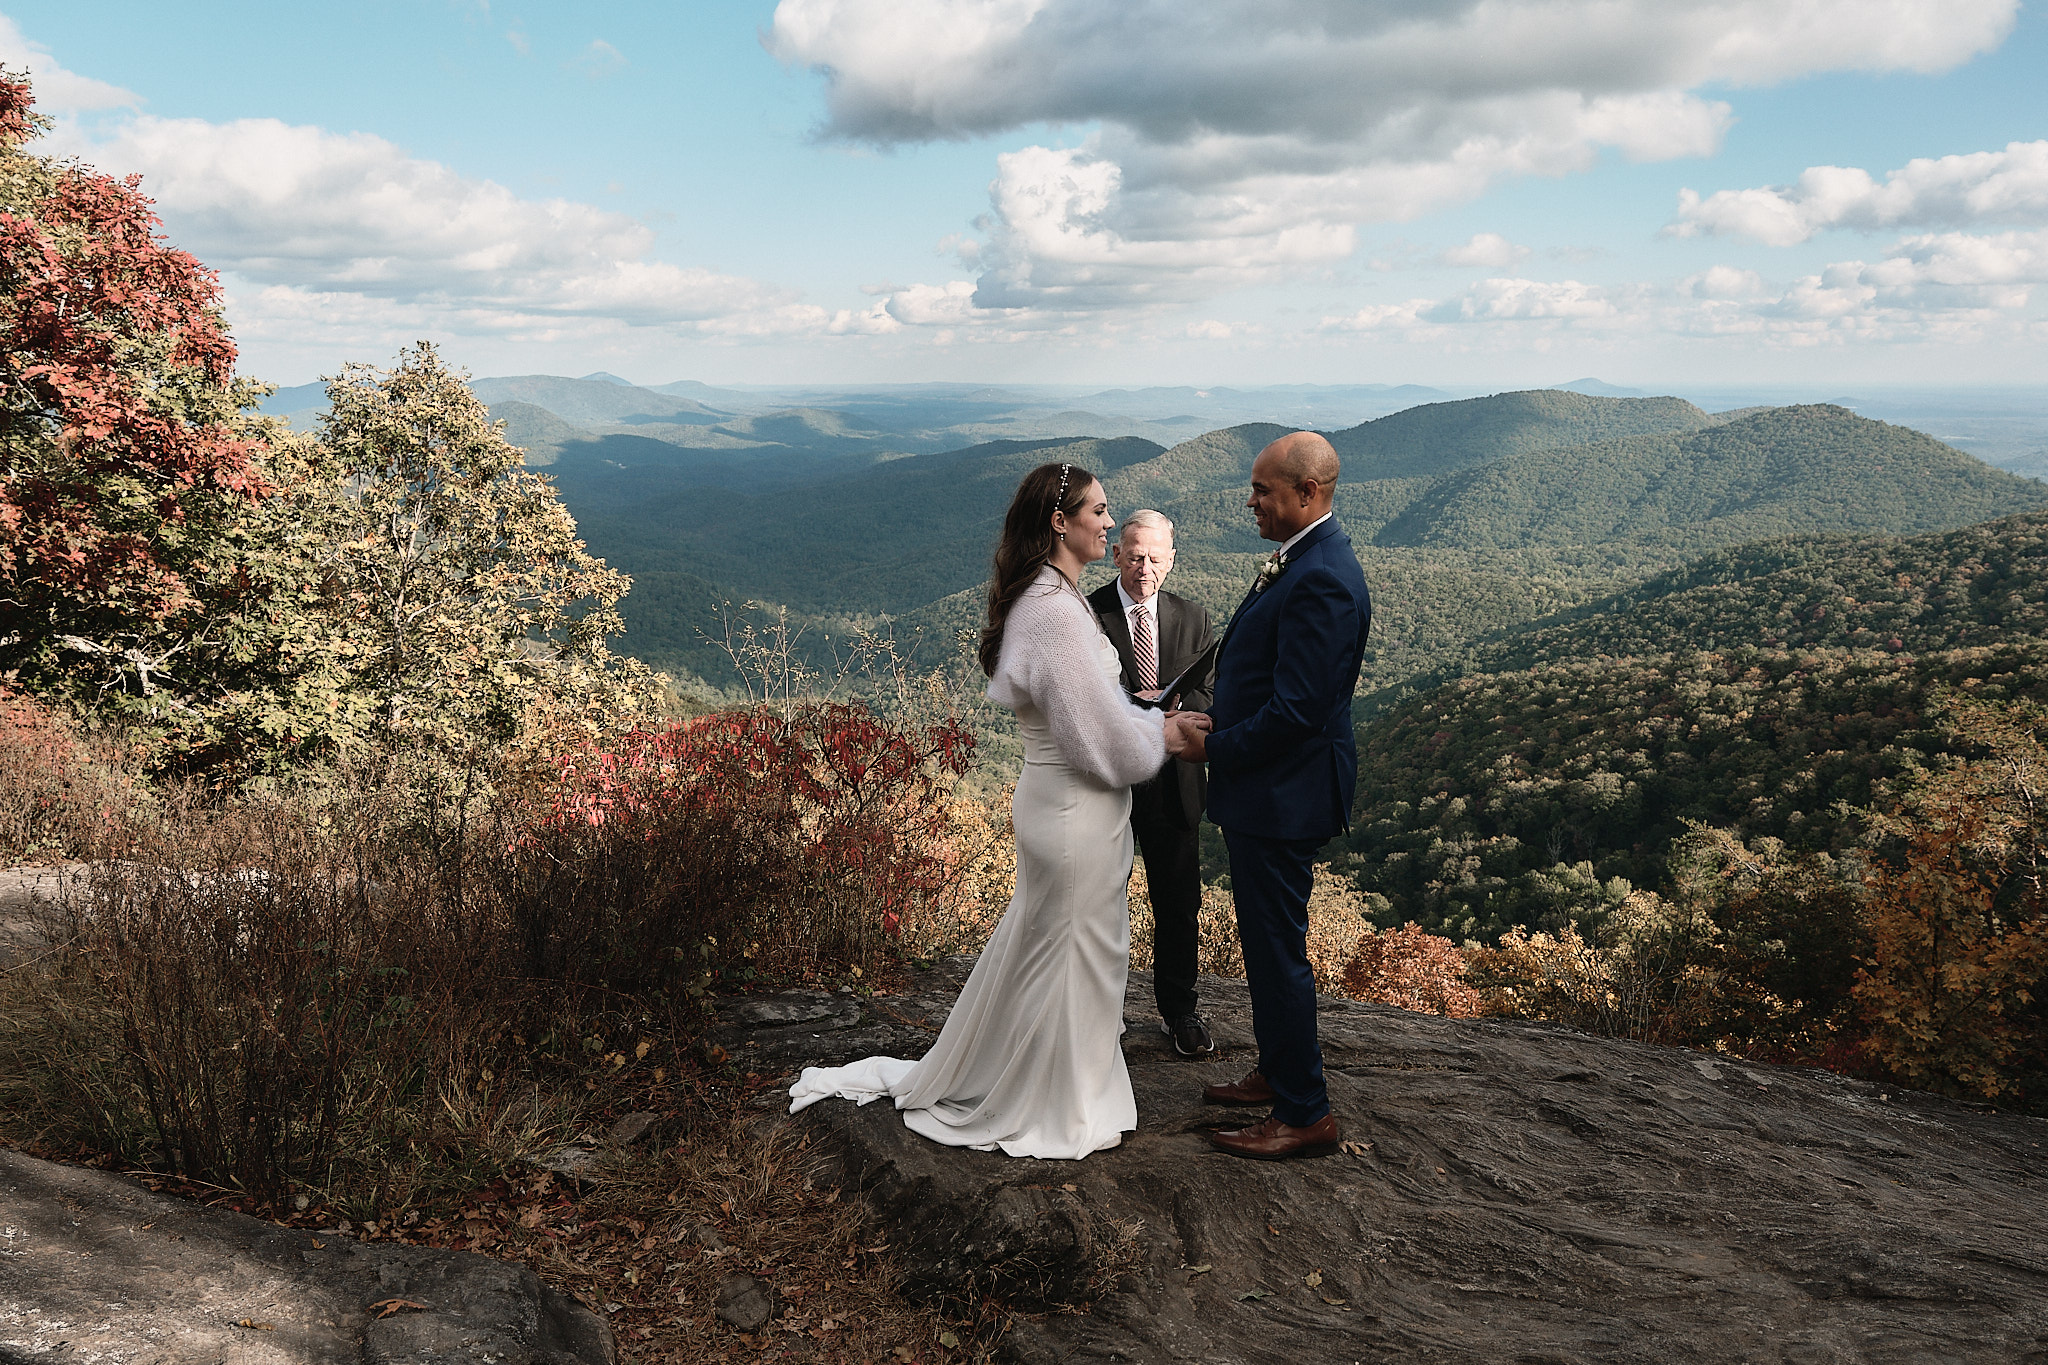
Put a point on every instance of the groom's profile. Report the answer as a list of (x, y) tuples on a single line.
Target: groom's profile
[(1282, 770)]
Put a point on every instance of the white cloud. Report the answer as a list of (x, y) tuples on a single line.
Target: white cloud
[(1487, 250), (1937, 287), (1980, 188), (1381, 316), (1210, 329), (325, 215), (1724, 282), (598, 60), (1230, 140), (1514, 300), (58, 91)]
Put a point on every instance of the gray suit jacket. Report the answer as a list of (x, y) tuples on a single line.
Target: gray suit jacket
[(1176, 795)]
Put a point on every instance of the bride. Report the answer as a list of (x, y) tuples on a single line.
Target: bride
[(1030, 1060)]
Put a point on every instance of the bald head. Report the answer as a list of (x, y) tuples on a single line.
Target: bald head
[(1293, 481), (1303, 455)]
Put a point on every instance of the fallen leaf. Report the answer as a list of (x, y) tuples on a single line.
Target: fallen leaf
[(642, 1050), (949, 1340), (1352, 1148), (255, 1326), (1251, 1294), (1200, 1269), (1069, 1188), (319, 1245), (1334, 1303), (386, 1307), (1272, 1231), (904, 1353), (1315, 1277)]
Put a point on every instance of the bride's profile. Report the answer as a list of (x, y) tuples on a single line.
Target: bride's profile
[(1030, 1060)]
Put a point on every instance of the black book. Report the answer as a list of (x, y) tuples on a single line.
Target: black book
[(1203, 662)]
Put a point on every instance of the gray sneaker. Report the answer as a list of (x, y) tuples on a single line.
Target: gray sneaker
[(1190, 1034)]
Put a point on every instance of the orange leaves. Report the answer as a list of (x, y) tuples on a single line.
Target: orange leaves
[(1412, 970), (812, 838), (1954, 966)]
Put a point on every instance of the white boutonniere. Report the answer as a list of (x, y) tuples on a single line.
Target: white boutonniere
[(1270, 570)]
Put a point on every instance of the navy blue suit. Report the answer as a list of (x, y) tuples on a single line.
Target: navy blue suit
[(1282, 771)]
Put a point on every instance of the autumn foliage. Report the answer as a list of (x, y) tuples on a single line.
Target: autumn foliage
[(61, 796), (1957, 915), (1411, 969), (743, 844), (126, 450)]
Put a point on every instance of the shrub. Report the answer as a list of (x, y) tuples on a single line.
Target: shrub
[(746, 843), (1412, 970), (268, 995), (60, 795)]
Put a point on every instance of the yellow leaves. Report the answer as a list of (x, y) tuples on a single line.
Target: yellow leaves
[(255, 1326), (1313, 1279), (386, 1307)]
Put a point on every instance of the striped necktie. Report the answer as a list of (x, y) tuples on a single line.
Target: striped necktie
[(1142, 655)]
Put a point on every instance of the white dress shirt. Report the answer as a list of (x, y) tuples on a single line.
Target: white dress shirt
[(1151, 606), (1288, 547)]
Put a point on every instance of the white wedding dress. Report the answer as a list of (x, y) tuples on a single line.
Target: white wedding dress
[(1030, 1060)]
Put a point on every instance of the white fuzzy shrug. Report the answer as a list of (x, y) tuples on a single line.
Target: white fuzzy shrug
[(1051, 662)]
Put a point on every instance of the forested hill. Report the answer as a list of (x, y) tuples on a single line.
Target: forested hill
[(1388, 462), (1473, 517), (1775, 472), (886, 538), (1438, 438), (1977, 586), (1538, 797)]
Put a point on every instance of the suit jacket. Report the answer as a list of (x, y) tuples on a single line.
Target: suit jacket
[(1282, 762), (1175, 796)]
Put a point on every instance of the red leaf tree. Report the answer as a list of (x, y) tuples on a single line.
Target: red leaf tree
[(123, 443)]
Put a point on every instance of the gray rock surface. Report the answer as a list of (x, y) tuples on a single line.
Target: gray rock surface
[(94, 1268), (28, 898), (1511, 1192), (746, 1303)]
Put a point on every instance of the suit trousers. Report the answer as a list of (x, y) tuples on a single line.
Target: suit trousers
[(1173, 877), (1270, 881)]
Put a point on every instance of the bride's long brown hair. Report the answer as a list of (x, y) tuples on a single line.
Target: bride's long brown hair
[(1028, 542)]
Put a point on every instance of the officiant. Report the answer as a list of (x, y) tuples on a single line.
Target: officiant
[(1158, 635)]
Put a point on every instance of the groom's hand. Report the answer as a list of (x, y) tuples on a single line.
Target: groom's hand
[(1194, 729)]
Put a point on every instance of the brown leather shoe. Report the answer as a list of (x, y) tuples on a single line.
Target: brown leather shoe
[(1251, 1090), (1274, 1140)]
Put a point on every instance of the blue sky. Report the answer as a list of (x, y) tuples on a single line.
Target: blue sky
[(1460, 192)]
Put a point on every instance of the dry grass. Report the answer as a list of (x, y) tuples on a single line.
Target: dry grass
[(1336, 922), (63, 795)]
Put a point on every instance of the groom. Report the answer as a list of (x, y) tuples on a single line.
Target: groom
[(1282, 768)]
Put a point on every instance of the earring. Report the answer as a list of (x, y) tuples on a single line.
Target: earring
[(1063, 536)]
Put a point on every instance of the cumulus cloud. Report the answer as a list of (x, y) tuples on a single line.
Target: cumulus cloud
[(58, 91), (1979, 188), (1947, 286), (1234, 139), (324, 215), (1487, 250), (1513, 300)]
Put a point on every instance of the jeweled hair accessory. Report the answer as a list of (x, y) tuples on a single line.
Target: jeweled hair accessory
[(1061, 499)]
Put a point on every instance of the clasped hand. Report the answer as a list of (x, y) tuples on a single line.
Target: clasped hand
[(1187, 734)]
